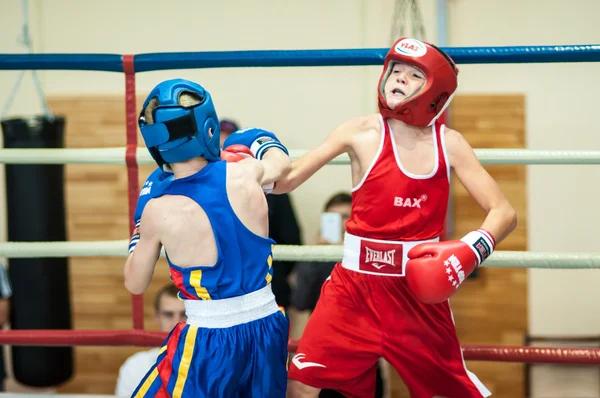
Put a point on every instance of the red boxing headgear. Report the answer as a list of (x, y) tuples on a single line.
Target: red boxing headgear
[(424, 106)]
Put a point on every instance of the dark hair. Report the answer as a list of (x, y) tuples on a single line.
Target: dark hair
[(337, 199), (450, 60), (170, 290), (228, 125)]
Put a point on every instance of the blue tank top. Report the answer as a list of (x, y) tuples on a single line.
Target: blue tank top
[(154, 179), (244, 261)]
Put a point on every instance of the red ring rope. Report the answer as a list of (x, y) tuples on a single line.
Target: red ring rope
[(554, 355), (137, 301)]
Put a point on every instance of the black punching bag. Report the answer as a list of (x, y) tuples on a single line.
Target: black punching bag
[(36, 212)]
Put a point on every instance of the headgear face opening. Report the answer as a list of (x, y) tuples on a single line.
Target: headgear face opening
[(179, 133), (429, 102)]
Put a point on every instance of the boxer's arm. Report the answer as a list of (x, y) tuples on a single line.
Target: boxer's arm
[(263, 145), (140, 264), (336, 143), (276, 165), (501, 217)]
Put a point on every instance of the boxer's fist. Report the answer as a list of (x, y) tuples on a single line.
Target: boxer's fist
[(257, 140), (435, 270)]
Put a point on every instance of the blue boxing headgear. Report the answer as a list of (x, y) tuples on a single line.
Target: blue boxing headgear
[(180, 133)]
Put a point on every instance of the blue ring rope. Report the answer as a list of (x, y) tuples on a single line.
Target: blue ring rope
[(287, 58)]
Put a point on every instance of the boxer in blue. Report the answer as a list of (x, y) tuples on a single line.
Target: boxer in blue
[(211, 217)]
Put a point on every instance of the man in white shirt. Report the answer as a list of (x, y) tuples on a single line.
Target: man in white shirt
[(169, 311), (5, 296)]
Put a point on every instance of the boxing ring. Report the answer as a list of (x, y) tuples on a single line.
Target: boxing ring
[(131, 156)]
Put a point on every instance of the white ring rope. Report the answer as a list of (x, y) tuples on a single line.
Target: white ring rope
[(117, 156), (322, 253), (504, 259)]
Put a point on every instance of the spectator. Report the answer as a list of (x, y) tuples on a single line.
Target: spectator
[(168, 312), (5, 295), (310, 277), (283, 229)]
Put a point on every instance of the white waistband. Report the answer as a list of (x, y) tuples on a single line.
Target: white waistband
[(379, 256), (231, 311)]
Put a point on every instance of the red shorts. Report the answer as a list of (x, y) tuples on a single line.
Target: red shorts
[(360, 318)]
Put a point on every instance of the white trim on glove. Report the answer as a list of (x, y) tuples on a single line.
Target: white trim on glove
[(135, 237), (260, 146), (268, 188), (481, 242)]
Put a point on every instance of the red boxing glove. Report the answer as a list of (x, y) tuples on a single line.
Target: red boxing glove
[(235, 153), (435, 270), (231, 157)]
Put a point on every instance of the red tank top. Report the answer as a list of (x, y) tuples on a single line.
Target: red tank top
[(392, 204)]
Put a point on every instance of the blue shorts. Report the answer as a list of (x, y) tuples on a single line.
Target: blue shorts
[(246, 360)]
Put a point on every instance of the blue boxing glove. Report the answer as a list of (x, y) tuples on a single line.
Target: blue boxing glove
[(155, 177), (257, 140)]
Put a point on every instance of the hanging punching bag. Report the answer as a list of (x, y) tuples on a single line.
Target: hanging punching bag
[(36, 212)]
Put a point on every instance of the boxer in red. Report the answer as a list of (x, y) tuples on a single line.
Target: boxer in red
[(388, 297)]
